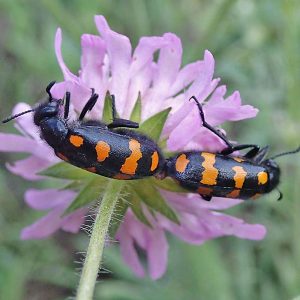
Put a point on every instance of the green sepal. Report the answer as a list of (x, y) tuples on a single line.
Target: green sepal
[(153, 126), (118, 215), (75, 185), (107, 109), (137, 110), (168, 184), (64, 170), (136, 206), (147, 193), (89, 193)]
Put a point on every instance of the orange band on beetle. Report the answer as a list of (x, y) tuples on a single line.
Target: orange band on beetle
[(239, 177), (130, 165), (210, 173)]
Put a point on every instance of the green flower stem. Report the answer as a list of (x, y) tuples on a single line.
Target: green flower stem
[(92, 261)]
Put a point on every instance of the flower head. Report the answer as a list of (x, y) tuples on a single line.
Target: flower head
[(109, 64)]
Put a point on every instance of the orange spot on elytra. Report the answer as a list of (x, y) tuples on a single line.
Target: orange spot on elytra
[(262, 177), (239, 177), (61, 156), (181, 163), (102, 150), (233, 194), (202, 190), (210, 173), (76, 140), (130, 165), (154, 162)]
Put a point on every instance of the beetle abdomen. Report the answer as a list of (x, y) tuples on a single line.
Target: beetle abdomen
[(116, 154), (218, 175)]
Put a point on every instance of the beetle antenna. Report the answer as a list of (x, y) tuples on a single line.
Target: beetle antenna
[(17, 115), (286, 153), (48, 88)]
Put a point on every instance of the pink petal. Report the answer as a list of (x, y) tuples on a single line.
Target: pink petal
[(29, 167), (189, 230), (167, 68), (73, 222), (207, 141), (142, 71), (230, 109), (143, 54), (47, 199), (157, 253), (140, 83), (192, 203), (68, 75), (234, 226), (16, 143), (201, 87), (218, 94), (92, 62), (185, 130), (25, 123), (186, 75), (211, 225), (44, 227), (128, 250), (119, 52), (168, 63)]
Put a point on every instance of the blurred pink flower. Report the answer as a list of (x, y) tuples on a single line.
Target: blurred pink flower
[(108, 64)]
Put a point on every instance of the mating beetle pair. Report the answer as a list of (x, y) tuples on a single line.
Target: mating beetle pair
[(117, 152)]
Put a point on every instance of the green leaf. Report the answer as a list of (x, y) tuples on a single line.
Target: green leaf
[(152, 198), (118, 215), (169, 185), (67, 171), (91, 192), (137, 110), (153, 126)]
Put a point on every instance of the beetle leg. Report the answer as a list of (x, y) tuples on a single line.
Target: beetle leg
[(208, 126), (67, 105), (89, 105), (117, 122), (230, 148), (250, 154)]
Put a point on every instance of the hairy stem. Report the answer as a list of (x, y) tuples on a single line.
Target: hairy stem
[(92, 261)]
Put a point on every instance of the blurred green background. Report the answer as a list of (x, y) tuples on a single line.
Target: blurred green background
[(256, 45)]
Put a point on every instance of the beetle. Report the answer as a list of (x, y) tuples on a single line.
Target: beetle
[(113, 150), (224, 175)]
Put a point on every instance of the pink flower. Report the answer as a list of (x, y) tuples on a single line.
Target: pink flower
[(108, 64)]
